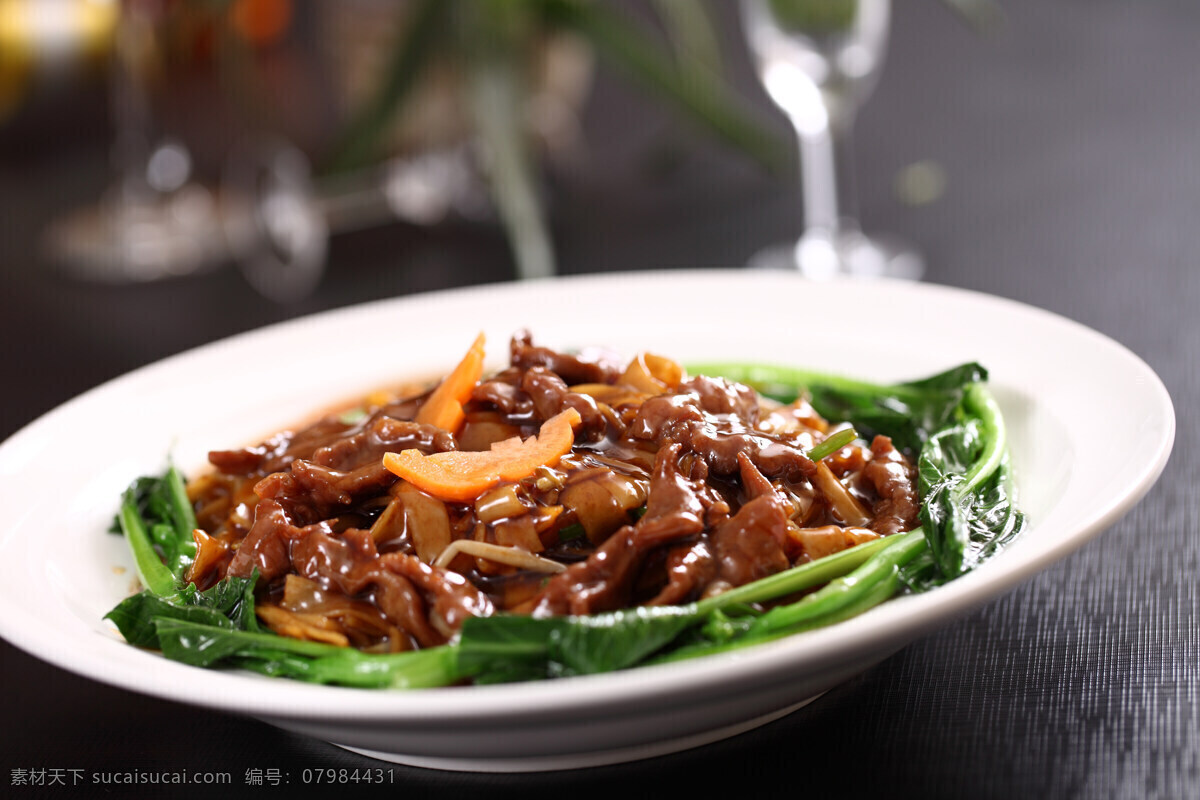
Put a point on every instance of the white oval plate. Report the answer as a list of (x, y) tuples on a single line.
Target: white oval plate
[(1062, 387)]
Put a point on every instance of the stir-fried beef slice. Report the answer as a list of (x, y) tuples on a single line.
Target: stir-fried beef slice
[(502, 391), (331, 488), (893, 478), (403, 409), (719, 396), (350, 563), (546, 390), (660, 417), (251, 460), (720, 441), (453, 598), (673, 494), (282, 449), (308, 440), (381, 435), (281, 488), (310, 492), (265, 545), (750, 544), (326, 434), (329, 436), (675, 509), (571, 368), (527, 396), (550, 396), (689, 567), (601, 583), (313, 490), (717, 438)]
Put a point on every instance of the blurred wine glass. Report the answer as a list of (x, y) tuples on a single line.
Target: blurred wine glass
[(249, 133), (818, 61)]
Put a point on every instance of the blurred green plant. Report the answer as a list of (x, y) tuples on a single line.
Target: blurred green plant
[(491, 40), (982, 16)]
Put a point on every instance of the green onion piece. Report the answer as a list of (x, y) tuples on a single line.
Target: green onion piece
[(832, 444), (571, 532)]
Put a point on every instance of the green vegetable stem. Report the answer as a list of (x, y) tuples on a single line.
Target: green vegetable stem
[(209, 645), (157, 520)]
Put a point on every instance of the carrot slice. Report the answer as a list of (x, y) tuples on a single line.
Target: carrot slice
[(462, 475), (444, 408)]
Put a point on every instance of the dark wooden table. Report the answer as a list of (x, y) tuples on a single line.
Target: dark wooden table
[(1070, 146)]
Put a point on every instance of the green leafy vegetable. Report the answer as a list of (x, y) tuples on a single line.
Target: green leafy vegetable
[(229, 604), (964, 482), (206, 645), (157, 519), (869, 584), (506, 647), (154, 574)]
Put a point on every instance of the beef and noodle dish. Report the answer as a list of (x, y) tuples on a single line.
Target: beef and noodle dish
[(564, 486)]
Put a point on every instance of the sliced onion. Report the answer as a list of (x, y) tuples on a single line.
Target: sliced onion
[(826, 540), (613, 396), (848, 510), (426, 521), (518, 533), (210, 553), (651, 374), (500, 503)]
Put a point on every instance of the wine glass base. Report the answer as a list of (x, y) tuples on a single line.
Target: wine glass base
[(850, 253), (120, 240)]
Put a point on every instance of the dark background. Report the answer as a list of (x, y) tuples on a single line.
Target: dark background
[(1070, 146)]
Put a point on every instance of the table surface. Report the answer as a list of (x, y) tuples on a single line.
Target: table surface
[(1069, 149)]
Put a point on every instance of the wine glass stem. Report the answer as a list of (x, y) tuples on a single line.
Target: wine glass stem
[(826, 177)]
